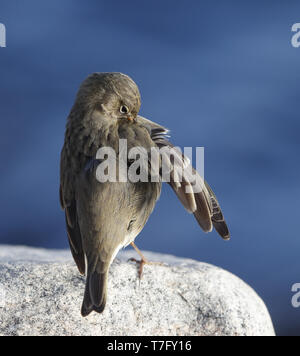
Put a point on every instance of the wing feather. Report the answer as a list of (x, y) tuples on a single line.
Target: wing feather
[(73, 230), (193, 192)]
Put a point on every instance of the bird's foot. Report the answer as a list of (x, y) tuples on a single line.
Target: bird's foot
[(142, 263)]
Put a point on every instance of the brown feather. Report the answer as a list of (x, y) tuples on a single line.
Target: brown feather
[(217, 217), (203, 202)]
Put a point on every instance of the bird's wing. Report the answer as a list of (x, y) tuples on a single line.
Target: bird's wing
[(217, 216), (68, 204), (191, 189)]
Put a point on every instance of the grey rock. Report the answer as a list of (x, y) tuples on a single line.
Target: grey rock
[(41, 294)]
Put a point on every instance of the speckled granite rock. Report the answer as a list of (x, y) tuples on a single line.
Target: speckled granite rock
[(41, 294)]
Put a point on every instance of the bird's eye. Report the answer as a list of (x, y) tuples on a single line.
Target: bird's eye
[(124, 109)]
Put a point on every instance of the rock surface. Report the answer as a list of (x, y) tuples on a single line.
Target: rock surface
[(41, 294)]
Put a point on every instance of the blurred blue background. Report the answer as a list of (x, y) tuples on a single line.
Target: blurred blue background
[(219, 74)]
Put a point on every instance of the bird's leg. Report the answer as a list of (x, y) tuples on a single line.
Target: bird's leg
[(143, 260)]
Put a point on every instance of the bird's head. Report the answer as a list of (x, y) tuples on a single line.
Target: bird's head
[(113, 96)]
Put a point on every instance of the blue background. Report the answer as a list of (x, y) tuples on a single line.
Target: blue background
[(219, 74)]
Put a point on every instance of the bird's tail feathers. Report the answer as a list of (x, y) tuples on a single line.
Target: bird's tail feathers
[(96, 288)]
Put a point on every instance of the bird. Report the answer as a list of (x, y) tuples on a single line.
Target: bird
[(103, 217)]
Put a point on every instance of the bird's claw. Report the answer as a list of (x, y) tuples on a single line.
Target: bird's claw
[(142, 263)]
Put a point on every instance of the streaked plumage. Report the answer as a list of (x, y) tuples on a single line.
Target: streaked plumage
[(101, 218)]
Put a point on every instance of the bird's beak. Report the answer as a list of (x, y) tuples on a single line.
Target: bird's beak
[(130, 118)]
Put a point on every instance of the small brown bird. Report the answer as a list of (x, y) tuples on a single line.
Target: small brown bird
[(101, 218)]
